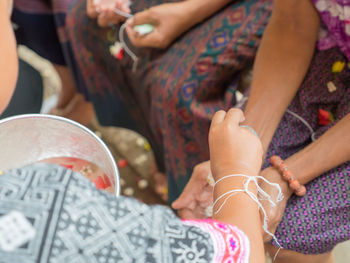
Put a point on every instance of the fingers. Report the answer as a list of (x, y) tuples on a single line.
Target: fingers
[(102, 19), (235, 116), (218, 117), (144, 17), (108, 18), (194, 188), (187, 214), (152, 39), (91, 9), (185, 200)]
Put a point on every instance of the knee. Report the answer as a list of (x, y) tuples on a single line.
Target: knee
[(176, 99)]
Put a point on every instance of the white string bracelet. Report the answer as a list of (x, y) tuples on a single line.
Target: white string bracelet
[(261, 193)]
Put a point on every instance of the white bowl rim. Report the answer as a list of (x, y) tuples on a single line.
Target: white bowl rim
[(74, 123)]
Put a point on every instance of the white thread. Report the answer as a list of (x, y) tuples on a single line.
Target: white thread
[(304, 122), (121, 13), (260, 191), (121, 38), (127, 49)]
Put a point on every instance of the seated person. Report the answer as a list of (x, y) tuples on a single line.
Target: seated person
[(64, 218), (299, 104), (8, 55)]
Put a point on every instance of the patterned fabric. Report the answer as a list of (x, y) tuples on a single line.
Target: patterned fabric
[(318, 221), (75, 222), (42, 28), (335, 15), (230, 243), (172, 96)]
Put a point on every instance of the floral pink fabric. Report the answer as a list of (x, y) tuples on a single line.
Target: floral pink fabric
[(335, 32), (230, 243)]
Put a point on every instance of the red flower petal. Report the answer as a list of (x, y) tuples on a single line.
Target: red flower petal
[(100, 184), (324, 117)]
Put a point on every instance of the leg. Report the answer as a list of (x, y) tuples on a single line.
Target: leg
[(191, 84), (71, 104), (289, 256), (68, 88)]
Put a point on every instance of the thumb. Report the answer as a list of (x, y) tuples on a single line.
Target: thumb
[(144, 17), (183, 201)]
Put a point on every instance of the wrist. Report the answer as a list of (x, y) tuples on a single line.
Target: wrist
[(274, 176), (191, 16), (303, 168)]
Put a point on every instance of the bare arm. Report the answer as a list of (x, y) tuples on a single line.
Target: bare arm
[(241, 211), (280, 67), (230, 155), (8, 57), (282, 61), (329, 151)]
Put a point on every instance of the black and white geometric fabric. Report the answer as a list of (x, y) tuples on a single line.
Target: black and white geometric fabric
[(75, 222)]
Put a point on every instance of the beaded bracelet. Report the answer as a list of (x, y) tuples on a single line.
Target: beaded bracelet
[(287, 175)]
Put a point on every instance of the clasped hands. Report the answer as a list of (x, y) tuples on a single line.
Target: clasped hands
[(233, 149), (170, 20)]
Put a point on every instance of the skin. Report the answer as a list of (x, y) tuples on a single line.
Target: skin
[(244, 147), (281, 64), (104, 14), (169, 19), (246, 213), (9, 60)]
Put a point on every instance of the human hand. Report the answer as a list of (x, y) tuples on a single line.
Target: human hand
[(233, 149), (103, 10), (197, 195), (274, 213), (91, 9), (169, 21)]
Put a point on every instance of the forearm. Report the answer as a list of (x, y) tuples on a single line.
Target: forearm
[(198, 10), (329, 151), (8, 57), (240, 210), (282, 61)]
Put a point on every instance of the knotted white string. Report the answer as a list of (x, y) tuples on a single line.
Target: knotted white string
[(262, 196)]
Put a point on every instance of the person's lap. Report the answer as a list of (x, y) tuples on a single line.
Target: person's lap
[(315, 223), (173, 94)]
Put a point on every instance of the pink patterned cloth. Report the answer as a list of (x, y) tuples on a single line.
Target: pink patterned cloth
[(335, 31), (230, 243)]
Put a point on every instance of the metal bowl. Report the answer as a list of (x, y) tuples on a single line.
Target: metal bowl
[(25, 139)]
